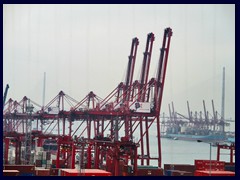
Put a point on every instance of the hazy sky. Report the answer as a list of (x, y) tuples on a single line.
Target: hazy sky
[(85, 48)]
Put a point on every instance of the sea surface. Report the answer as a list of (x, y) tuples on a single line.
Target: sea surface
[(185, 152)]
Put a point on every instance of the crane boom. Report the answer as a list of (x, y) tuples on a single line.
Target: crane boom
[(146, 64), (131, 65), (162, 67), (5, 94)]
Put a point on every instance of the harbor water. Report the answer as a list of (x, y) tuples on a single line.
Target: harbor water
[(185, 152)]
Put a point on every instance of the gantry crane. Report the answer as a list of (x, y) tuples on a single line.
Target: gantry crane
[(107, 126)]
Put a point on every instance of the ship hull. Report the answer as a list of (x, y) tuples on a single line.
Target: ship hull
[(204, 138)]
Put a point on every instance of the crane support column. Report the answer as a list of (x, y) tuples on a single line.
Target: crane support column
[(6, 141)]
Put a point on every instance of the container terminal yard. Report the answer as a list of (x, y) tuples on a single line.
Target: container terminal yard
[(96, 136)]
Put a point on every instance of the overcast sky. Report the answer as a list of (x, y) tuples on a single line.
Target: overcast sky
[(85, 48)]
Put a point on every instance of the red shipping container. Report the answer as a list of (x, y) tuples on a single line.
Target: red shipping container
[(150, 172), (69, 172), (84, 172), (95, 172), (29, 169), (10, 172), (61, 163), (42, 172), (54, 171), (214, 173), (205, 165)]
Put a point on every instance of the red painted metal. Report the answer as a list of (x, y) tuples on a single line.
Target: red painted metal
[(132, 59), (96, 118), (162, 71), (146, 65), (84, 172), (18, 146), (214, 173), (66, 151), (89, 155), (23, 169), (6, 140), (73, 156), (42, 172), (159, 142), (207, 165), (10, 173), (230, 147)]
